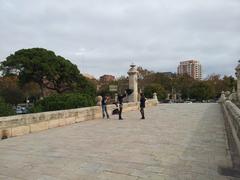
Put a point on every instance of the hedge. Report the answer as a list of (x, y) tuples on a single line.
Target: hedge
[(64, 101)]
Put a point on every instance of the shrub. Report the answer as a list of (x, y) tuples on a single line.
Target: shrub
[(5, 109), (64, 101)]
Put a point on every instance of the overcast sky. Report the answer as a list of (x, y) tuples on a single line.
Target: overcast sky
[(106, 36)]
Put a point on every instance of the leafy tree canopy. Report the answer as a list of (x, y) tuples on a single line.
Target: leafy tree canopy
[(155, 88), (46, 69), (201, 91)]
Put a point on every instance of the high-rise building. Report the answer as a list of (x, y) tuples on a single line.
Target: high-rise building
[(192, 67)]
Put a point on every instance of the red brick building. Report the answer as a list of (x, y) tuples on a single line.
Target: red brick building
[(107, 78)]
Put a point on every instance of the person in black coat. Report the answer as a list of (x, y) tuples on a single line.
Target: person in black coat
[(120, 102), (142, 105)]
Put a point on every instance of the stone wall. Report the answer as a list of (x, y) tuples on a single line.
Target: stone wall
[(29, 123), (232, 116)]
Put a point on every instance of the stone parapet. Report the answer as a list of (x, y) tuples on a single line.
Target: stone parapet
[(29, 123), (232, 116)]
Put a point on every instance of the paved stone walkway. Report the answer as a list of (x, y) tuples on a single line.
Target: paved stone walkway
[(176, 141)]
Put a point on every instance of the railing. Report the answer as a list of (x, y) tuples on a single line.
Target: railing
[(232, 113), (232, 122)]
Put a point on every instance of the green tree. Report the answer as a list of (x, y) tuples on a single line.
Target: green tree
[(229, 83), (182, 84), (201, 91), (155, 88), (85, 86), (216, 82), (31, 91), (44, 68)]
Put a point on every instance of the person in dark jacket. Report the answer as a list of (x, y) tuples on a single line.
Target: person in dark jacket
[(142, 105), (104, 107), (120, 102)]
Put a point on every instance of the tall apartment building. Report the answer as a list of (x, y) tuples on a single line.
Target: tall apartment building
[(192, 68)]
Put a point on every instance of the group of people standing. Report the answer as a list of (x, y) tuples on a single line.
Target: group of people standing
[(119, 105)]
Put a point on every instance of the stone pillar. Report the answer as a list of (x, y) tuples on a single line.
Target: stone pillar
[(133, 83), (238, 79)]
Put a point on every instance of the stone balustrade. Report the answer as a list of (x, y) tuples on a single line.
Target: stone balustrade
[(29, 123), (232, 115)]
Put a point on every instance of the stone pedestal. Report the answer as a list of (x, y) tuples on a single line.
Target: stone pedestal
[(133, 83)]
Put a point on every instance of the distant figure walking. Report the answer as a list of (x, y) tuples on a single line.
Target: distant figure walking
[(104, 107), (142, 105), (120, 102)]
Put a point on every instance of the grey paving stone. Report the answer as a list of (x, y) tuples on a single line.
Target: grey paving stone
[(175, 141)]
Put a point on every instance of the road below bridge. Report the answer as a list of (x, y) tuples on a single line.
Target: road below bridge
[(175, 141)]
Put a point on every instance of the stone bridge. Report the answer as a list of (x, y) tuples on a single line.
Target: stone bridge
[(175, 141)]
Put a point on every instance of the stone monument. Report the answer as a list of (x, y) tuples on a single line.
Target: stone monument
[(133, 83), (238, 79)]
